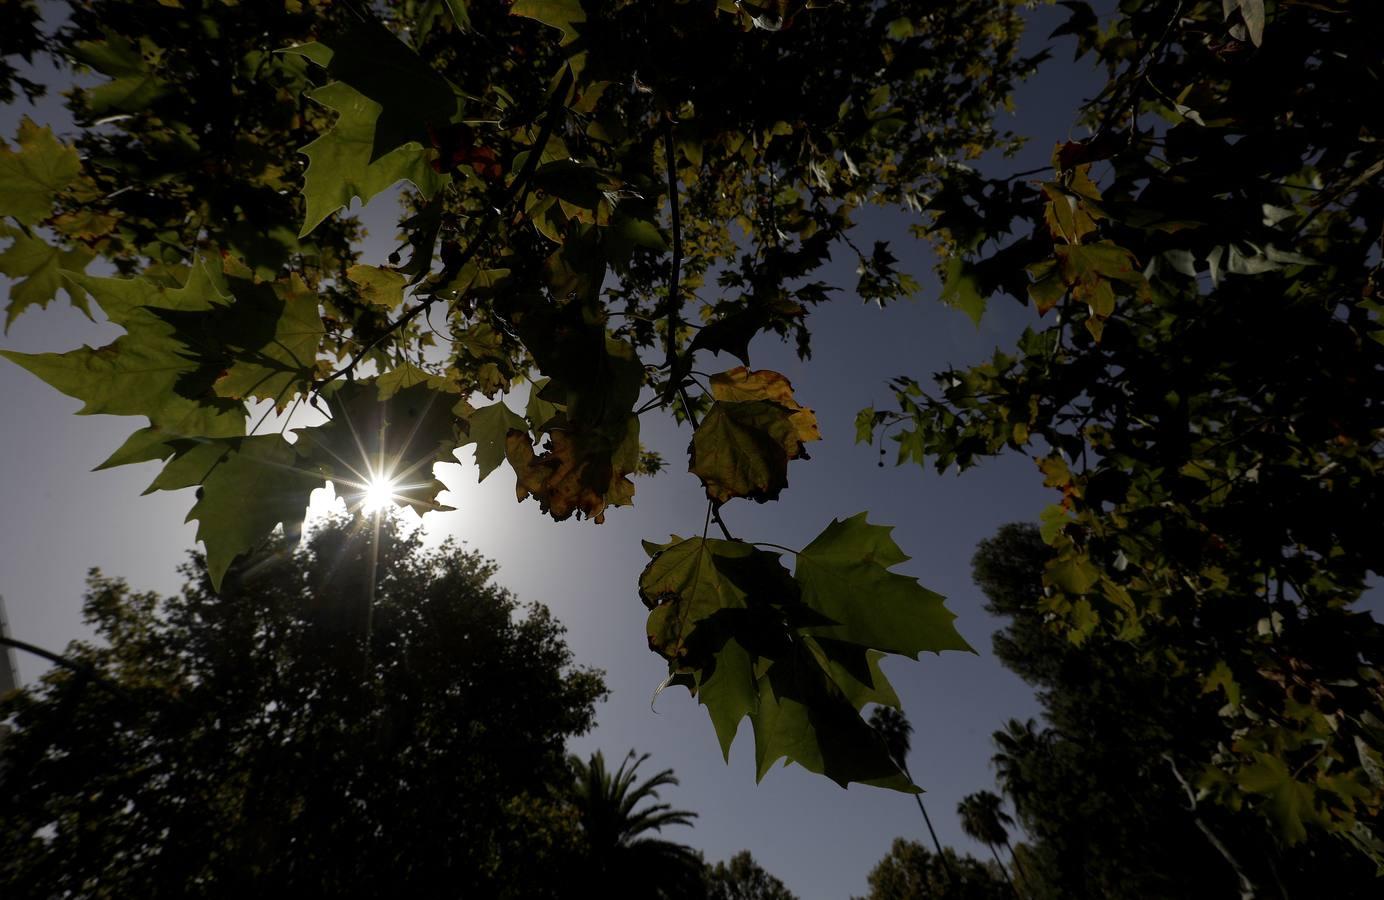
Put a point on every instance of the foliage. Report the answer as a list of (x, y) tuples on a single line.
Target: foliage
[(910, 870), (620, 856), (1098, 787), (541, 146), (1203, 394), (744, 879), (330, 722)]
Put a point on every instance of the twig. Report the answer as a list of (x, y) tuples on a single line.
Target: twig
[(85, 669), (674, 267)]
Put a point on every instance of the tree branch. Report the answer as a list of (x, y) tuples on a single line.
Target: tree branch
[(674, 267)]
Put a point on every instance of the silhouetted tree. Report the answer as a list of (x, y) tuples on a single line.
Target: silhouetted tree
[(911, 872), (896, 731), (744, 879), (983, 819), (264, 742), (622, 858)]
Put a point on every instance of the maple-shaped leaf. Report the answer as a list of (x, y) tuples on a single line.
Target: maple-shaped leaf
[(385, 96), (133, 85), (271, 333), (579, 471), (754, 427), (741, 384), (36, 268), (395, 440), (148, 371), (565, 15), (249, 486), (380, 287), (798, 654), (741, 449), (845, 577), (488, 428), (700, 592), (31, 174), (805, 717), (407, 375)]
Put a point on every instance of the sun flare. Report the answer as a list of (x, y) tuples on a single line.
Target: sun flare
[(378, 494)]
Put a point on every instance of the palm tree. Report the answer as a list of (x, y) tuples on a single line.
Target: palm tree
[(623, 858), (983, 819), (896, 731)]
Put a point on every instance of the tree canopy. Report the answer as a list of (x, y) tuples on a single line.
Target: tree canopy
[(604, 198), (262, 739)]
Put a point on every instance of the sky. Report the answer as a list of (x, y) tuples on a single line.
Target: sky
[(62, 519)]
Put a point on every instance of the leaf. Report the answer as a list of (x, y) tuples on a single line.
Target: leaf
[(257, 484), (1291, 803), (37, 271), (272, 340), (741, 384), (407, 375), (845, 576), (133, 86), (148, 371), (741, 449), (397, 439), (962, 290), (386, 97), (578, 472), (1074, 575), (804, 716), (487, 428), (564, 15), (30, 175), (380, 287), (753, 641), (340, 166)]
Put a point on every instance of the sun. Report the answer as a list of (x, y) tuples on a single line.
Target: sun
[(378, 494)]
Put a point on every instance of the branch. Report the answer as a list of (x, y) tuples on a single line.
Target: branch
[(81, 667), (517, 188), (675, 267), (1247, 891)]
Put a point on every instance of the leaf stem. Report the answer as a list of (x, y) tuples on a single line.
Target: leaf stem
[(776, 547)]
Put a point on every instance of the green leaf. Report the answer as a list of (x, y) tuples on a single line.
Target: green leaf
[(804, 716), (1074, 575), (37, 270), (33, 173), (272, 341), (255, 484), (149, 371), (1290, 803), (487, 428), (683, 584), (564, 15), (729, 692), (133, 85), (845, 576), (340, 165), (962, 291), (381, 287), (741, 450)]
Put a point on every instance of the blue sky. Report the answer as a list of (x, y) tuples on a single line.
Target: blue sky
[(62, 518)]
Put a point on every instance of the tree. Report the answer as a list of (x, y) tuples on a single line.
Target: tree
[(621, 855), (1201, 394), (744, 879), (896, 731), (1099, 785), (983, 819), (306, 729), (542, 145), (910, 872)]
